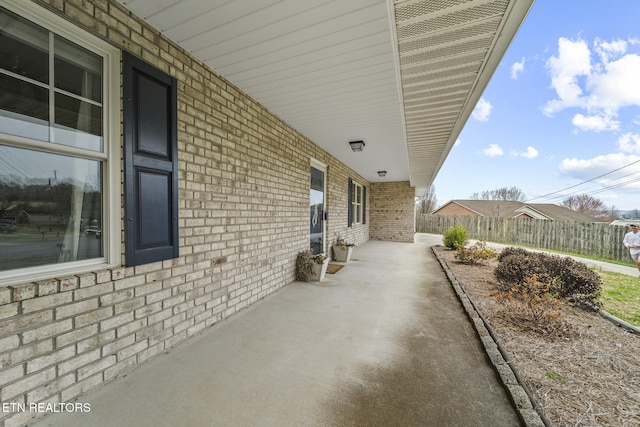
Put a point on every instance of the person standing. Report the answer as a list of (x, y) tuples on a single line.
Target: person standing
[(632, 242)]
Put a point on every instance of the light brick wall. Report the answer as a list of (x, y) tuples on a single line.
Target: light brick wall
[(338, 206), (392, 211), (244, 215), (455, 209)]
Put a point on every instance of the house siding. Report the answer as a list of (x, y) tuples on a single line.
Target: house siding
[(392, 211), (243, 217)]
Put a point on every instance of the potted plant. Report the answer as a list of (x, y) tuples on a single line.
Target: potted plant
[(342, 250), (311, 268)]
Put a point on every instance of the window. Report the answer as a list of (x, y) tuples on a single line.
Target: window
[(357, 203), (57, 171)]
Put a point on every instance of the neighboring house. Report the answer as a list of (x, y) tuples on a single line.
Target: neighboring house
[(19, 215), (511, 209)]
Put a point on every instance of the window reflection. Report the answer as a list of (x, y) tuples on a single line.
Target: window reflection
[(77, 70), (27, 92), (50, 208), (24, 48), (24, 109), (78, 123)]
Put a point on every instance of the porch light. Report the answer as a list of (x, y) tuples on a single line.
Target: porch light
[(382, 173), (356, 145)]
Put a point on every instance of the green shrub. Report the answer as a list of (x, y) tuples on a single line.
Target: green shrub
[(455, 236), (475, 254), (567, 278)]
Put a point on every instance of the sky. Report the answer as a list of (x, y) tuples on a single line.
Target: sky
[(561, 114)]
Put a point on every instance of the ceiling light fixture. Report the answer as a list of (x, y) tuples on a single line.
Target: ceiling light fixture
[(382, 173), (356, 145)]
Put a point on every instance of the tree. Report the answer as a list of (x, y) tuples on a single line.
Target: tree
[(635, 213), (589, 205), (427, 203), (513, 194)]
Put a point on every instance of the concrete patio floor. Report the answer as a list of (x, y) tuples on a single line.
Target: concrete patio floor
[(383, 342)]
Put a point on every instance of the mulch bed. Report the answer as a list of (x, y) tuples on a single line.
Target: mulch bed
[(581, 369)]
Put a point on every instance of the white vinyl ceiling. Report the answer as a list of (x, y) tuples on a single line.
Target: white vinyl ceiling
[(401, 75)]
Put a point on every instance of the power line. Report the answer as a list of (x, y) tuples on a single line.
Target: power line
[(598, 188), (584, 182), (631, 181), (10, 165)]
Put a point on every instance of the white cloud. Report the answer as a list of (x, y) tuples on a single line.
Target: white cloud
[(517, 68), (531, 153), (587, 169), (458, 142), (617, 86), (482, 110), (595, 123), (573, 61), (607, 50), (629, 142), (600, 88), (493, 150)]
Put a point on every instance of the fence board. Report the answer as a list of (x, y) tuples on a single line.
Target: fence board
[(599, 239)]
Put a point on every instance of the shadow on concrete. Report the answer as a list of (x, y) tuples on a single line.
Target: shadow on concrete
[(384, 342)]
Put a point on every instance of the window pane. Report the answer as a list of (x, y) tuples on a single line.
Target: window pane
[(24, 60), (78, 123), (24, 109), (77, 70), (23, 47), (50, 208)]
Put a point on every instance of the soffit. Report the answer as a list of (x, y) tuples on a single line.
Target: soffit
[(401, 75)]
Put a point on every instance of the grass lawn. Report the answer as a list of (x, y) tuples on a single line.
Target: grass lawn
[(621, 296)]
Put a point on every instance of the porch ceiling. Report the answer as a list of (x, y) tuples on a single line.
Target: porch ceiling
[(401, 75)]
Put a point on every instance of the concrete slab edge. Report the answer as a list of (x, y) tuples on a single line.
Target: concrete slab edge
[(529, 411), (619, 322)]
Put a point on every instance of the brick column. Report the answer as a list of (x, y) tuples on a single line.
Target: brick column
[(392, 211)]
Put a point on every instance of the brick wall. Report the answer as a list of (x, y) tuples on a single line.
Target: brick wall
[(244, 215), (338, 206), (455, 209), (392, 211)]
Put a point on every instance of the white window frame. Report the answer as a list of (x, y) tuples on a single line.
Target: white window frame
[(110, 155), (356, 201)]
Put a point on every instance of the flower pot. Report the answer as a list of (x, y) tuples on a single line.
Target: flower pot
[(342, 253), (319, 271)]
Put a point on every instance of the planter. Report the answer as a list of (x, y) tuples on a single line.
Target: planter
[(319, 271), (342, 253)]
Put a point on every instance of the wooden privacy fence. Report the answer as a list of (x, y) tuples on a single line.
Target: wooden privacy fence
[(586, 238)]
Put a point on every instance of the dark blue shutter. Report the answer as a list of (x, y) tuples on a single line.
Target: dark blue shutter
[(150, 163), (350, 203), (364, 204)]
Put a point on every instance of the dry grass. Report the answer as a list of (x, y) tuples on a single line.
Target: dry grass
[(582, 369)]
